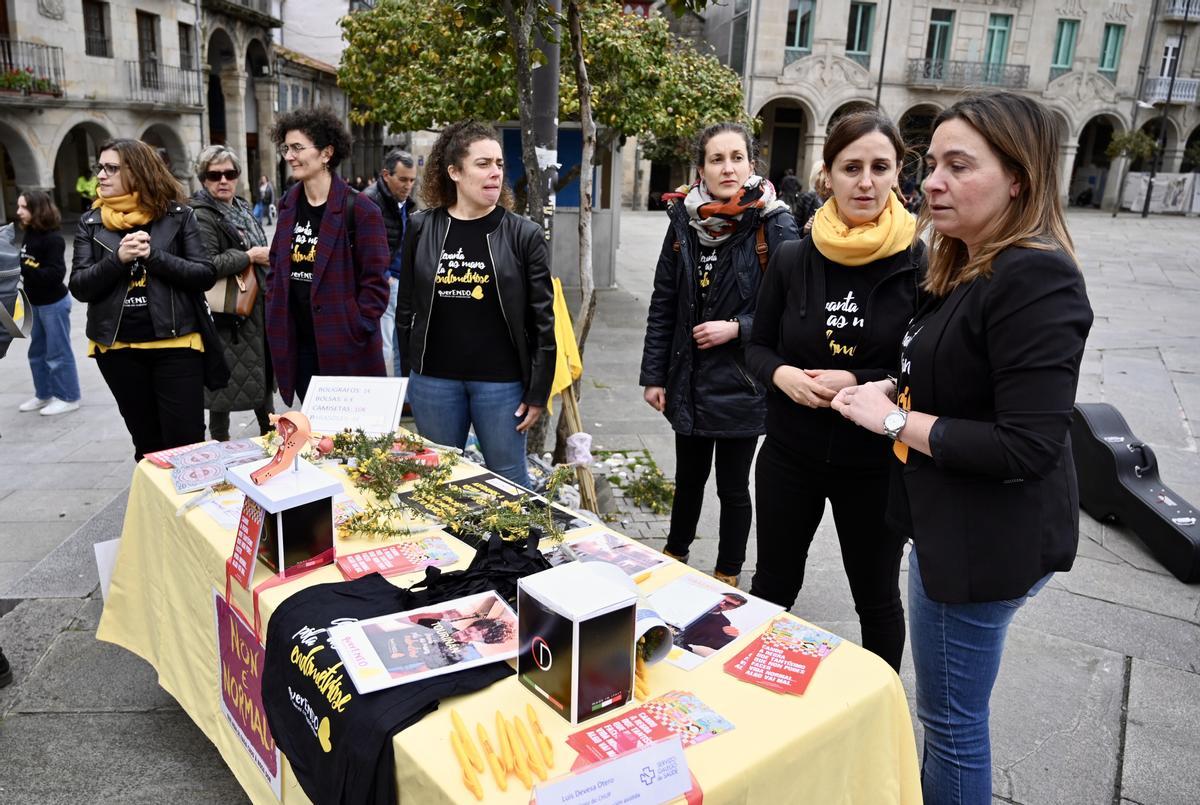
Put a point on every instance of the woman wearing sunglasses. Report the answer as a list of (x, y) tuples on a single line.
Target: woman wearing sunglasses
[(235, 242), (140, 265), (327, 287)]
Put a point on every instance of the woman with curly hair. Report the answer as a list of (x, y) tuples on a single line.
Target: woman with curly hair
[(140, 265), (327, 286), (475, 307)]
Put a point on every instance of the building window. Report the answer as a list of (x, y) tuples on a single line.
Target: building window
[(1110, 51), (996, 53), (95, 29), (937, 46), (187, 40), (858, 32), (295, 96), (1170, 54), (1064, 48), (738, 32), (800, 19)]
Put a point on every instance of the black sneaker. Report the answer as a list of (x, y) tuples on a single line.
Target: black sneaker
[(5, 670)]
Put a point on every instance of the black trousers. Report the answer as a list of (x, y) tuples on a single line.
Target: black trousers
[(306, 367), (790, 494), (693, 463), (160, 394)]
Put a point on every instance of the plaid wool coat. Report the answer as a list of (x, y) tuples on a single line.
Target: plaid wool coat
[(349, 290)]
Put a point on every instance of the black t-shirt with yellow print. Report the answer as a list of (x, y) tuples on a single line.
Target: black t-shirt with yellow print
[(136, 325), (468, 336), (305, 234)]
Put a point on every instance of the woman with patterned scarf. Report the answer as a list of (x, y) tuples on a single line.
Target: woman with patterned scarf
[(141, 267), (720, 235), (831, 314)]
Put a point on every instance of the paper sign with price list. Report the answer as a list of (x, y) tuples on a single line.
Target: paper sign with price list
[(240, 565)]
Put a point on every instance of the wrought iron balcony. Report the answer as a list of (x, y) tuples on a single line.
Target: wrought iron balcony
[(151, 82), (946, 73), (255, 10), (28, 68), (1176, 9), (1184, 92)]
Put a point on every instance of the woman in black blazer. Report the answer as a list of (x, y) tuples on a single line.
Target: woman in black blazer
[(984, 484)]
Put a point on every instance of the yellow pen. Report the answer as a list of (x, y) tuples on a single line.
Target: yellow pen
[(540, 737), (505, 746), (469, 778), (519, 763), (531, 752), (467, 743), (493, 761)]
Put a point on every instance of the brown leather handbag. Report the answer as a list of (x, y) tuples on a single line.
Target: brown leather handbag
[(234, 296)]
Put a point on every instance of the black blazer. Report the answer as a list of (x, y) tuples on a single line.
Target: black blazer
[(997, 361)]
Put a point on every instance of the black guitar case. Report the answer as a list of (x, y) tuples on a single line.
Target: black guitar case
[(1118, 482)]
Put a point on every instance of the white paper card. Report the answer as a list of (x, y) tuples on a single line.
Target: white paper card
[(653, 774), (679, 603), (370, 403), (106, 558)]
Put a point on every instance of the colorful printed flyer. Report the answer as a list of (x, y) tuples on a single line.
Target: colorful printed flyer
[(240, 565), (394, 649), (675, 713), (163, 458), (784, 657), (607, 546), (408, 556)]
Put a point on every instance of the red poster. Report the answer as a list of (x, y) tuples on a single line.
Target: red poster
[(245, 545)]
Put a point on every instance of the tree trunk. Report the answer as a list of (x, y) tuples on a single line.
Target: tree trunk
[(519, 16)]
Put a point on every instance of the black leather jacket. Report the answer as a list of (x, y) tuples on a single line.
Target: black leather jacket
[(178, 262), (386, 202), (518, 250)]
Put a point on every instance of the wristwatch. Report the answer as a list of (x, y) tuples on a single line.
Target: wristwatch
[(894, 422)]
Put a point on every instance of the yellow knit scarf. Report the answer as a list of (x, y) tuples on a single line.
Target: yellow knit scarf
[(120, 213), (890, 233)]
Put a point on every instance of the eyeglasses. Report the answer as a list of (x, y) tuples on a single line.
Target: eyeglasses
[(107, 169), (216, 176), (294, 148)]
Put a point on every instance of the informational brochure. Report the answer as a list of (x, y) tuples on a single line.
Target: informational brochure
[(674, 713), (407, 556), (204, 465), (733, 615), (408, 646), (784, 657), (164, 458), (607, 546)]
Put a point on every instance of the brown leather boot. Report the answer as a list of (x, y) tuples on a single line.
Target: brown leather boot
[(676, 557), (725, 578)]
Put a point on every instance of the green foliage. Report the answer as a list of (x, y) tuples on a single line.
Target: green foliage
[(640, 478), (1135, 145), (1191, 156), (418, 64)]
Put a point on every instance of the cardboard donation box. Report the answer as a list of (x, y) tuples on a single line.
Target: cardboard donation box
[(576, 631), (293, 514)]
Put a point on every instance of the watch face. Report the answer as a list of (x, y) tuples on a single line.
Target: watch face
[(894, 421)]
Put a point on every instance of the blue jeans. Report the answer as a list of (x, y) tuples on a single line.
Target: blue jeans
[(387, 328), (444, 410), (50, 358), (956, 650)]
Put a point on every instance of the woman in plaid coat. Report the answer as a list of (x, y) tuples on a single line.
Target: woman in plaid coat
[(327, 287)]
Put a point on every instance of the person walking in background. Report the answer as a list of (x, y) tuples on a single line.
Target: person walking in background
[(235, 243), (831, 313), (789, 190), (475, 307), (701, 314), (980, 416), (140, 265), (266, 197), (392, 191), (327, 287), (44, 271), (811, 200)]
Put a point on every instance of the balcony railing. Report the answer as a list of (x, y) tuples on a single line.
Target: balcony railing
[(1175, 10), (946, 73), (1184, 92), (30, 68), (151, 82)]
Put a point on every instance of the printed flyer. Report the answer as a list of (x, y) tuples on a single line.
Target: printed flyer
[(404, 647), (734, 615), (675, 713), (240, 659), (408, 556), (784, 657), (607, 546)]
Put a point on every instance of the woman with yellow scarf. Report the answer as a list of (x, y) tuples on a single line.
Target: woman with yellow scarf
[(832, 311), (140, 265)]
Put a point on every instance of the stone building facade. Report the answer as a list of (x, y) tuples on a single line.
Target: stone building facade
[(1102, 66), (74, 73)]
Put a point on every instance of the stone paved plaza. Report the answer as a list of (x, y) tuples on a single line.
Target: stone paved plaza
[(1098, 699)]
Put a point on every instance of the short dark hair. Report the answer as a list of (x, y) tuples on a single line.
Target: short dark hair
[(43, 215), (723, 127), (320, 125), (451, 147), (849, 127), (397, 155), (494, 629)]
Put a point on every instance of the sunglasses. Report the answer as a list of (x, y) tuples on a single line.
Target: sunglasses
[(216, 176)]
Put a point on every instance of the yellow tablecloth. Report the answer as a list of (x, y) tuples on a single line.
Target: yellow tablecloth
[(848, 739)]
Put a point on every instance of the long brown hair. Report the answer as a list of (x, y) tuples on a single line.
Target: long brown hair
[(43, 215), (1021, 133), (451, 147), (144, 171)]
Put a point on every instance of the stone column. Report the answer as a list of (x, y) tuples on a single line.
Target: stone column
[(265, 92), (1172, 160), (1066, 166), (1117, 172), (813, 145), (233, 85)]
